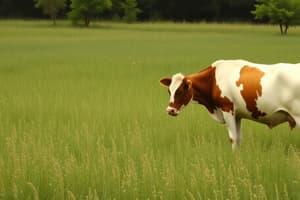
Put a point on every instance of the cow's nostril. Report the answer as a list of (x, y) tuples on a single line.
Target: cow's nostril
[(172, 111)]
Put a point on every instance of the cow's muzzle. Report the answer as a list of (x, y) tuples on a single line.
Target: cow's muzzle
[(172, 111)]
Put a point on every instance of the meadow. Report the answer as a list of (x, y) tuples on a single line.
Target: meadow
[(82, 114)]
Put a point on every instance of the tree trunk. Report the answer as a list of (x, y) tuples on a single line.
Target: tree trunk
[(281, 28), (54, 19), (286, 28), (86, 21)]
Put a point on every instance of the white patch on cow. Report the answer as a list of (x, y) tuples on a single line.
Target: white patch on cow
[(176, 82), (280, 92), (240, 87), (169, 108), (227, 73)]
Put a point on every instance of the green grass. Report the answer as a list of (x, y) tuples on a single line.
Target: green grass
[(82, 114)]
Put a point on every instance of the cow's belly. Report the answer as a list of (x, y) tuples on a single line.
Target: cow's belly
[(270, 120)]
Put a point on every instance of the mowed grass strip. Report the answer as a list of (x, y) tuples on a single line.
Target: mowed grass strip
[(82, 114)]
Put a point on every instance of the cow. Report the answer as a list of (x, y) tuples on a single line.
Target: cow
[(232, 90)]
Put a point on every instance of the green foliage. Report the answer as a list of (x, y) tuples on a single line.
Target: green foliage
[(282, 12), (86, 9), (130, 11), (51, 7), (194, 10)]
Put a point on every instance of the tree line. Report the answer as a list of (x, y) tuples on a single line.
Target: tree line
[(176, 10), (282, 12)]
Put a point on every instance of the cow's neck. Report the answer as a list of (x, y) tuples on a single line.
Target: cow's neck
[(202, 87)]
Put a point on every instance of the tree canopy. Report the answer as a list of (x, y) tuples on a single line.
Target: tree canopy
[(130, 10), (83, 9), (51, 7), (175, 10), (282, 12)]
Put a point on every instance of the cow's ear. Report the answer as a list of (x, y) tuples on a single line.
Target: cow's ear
[(190, 83), (165, 82)]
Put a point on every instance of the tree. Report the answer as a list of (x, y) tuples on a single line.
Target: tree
[(86, 9), (282, 12), (51, 7), (130, 10), (148, 10)]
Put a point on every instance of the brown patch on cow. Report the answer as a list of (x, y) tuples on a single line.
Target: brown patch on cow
[(207, 92), (250, 78), (202, 88)]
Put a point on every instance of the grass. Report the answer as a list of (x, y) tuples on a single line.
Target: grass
[(82, 115)]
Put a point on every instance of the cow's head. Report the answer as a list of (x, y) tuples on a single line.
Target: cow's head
[(180, 90)]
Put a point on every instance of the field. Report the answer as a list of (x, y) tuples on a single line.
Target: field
[(82, 114)]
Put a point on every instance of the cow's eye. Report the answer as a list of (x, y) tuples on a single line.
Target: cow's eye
[(178, 93), (185, 86)]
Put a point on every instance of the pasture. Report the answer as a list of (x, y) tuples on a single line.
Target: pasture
[(82, 114)]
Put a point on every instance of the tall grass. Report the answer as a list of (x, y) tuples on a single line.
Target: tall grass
[(82, 115)]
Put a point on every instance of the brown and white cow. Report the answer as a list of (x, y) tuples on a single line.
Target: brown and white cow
[(236, 89)]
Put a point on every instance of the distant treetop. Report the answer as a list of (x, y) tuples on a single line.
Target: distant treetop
[(282, 12), (51, 7), (83, 9)]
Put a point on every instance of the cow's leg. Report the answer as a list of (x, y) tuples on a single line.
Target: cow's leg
[(238, 129), (233, 126), (297, 120)]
